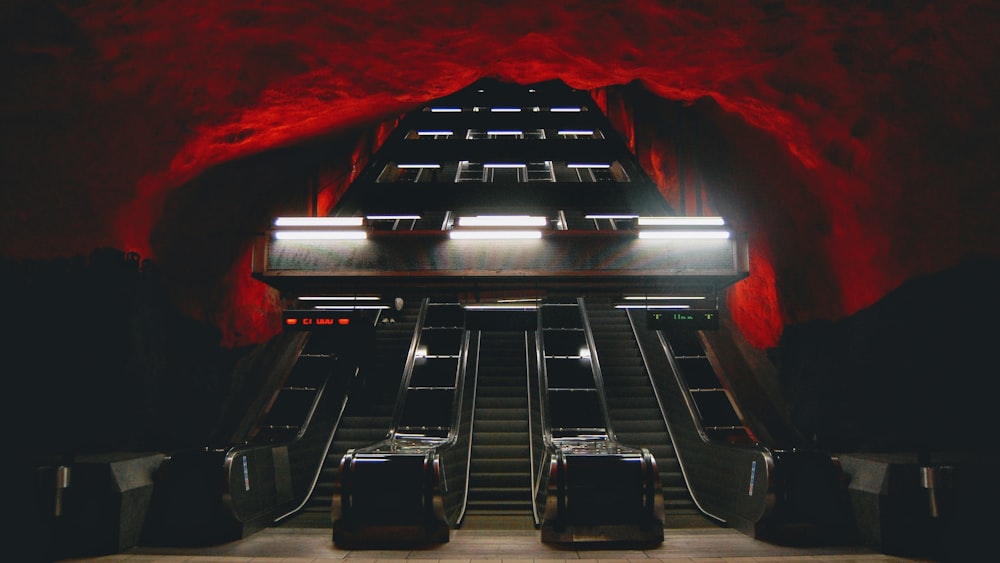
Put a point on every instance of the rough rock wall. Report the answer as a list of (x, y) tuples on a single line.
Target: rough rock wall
[(861, 135)]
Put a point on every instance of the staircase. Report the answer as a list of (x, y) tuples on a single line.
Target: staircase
[(500, 468), (632, 407)]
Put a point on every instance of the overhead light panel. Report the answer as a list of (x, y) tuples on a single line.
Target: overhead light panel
[(681, 221), (503, 221), (475, 234), (393, 217), (689, 235), (319, 221), (339, 298), (320, 235)]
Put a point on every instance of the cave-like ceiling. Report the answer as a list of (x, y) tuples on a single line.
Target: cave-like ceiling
[(864, 133)]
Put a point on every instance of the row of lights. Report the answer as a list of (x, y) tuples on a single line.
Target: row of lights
[(371, 302), (508, 227)]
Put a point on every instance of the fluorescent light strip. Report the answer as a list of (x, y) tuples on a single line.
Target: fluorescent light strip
[(321, 235), (593, 165), (525, 300), (430, 133), (681, 221), (351, 307), (650, 307), (505, 132), (690, 235), (506, 307), (576, 132), (565, 110), (663, 297), (393, 217), (610, 216), (318, 221), (502, 221), (446, 110), (494, 235), (501, 165), (339, 298), (505, 110), (418, 166)]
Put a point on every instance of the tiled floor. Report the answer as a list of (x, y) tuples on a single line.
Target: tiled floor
[(302, 545)]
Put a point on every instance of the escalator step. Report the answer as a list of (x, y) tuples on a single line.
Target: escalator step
[(498, 465), (501, 425), (501, 413), (501, 451)]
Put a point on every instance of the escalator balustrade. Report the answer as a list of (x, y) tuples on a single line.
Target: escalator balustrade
[(592, 489), (400, 491)]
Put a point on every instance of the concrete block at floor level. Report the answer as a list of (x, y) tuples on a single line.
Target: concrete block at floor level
[(921, 508), (105, 503)]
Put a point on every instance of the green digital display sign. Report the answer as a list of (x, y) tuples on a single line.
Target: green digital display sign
[(692, 319)]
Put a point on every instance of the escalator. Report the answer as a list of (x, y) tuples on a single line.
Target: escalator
[(367, 416), (500, 466), (590, 486), (410, 488), (217, 494), (765, 491), (633, 408)]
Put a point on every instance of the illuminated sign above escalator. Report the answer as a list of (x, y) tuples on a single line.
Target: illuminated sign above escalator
[(691, 319), (317, 320)]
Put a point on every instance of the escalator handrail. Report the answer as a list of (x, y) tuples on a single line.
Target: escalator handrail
[(660, 402), (431, 446), (595, 366), (531, 436), (233, 452), (764, 452)]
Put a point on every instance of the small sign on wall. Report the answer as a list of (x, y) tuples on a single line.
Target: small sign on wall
[(692, 319)]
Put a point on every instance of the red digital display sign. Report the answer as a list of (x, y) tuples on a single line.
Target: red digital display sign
[(316, 320)]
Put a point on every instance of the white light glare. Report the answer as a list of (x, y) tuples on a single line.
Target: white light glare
[(505, 110), (446, 110), (321, 235), (681, 221), (418, 166), (576, 132), (434, 133), (690, 235), (496, 235), (585, 353), (318, 221), (565, 110), (591, 165), (502, 221), (505, 132)]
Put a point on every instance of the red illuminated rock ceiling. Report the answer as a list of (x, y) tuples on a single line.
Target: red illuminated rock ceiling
[(863, 133)]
